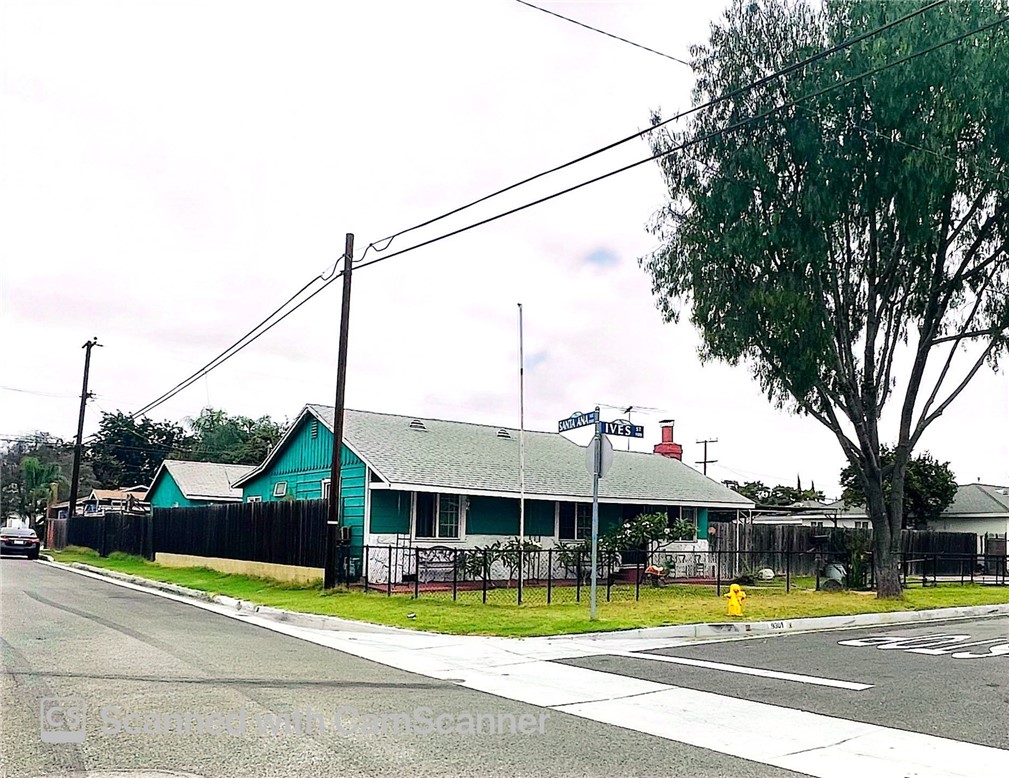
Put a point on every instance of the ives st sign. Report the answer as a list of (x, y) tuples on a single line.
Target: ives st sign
[(622, 427)]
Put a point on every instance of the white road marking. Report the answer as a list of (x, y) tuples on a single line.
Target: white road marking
[(932, 645), (741, 670), (810, 743)]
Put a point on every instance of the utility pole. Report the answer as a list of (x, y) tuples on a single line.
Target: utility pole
[(333, 529), (705, 462), (75, 480)]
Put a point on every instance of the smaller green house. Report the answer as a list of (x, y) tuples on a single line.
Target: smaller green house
[(180, 484)]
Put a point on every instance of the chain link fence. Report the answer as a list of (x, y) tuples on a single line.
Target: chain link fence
[(564, 575)]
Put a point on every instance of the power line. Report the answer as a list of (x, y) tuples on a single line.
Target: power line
[(694, 141), (607, 34), (387, 241), (239, 345), (186, 382)]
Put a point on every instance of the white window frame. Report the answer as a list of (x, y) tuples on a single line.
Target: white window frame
[(684, 510), (280, 489), (254, 498), (861, 524), (557, 523), (816, 524), (463, 509), (587, 535), (324, 488)]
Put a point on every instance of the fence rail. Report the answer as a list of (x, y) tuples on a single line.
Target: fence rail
[(562, 575), (293, 533)]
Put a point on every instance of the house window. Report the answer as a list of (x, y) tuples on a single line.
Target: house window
[(861, 525), (816, 524), (437, 515), (254, 498), (325, 488), (280, 489), (688, 515), (448, 515), (575, 521)]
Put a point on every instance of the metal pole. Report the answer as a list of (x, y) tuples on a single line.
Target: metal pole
[(596, 457), (522, 453), (341, 383), (75, 479)]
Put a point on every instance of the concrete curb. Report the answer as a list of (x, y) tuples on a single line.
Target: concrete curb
[(811, 624), (726, 629), (292, 618)]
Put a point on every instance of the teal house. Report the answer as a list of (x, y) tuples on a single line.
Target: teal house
[(415, 482), (179, 484)]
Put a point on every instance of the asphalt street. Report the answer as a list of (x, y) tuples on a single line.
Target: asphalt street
[(90, 643), (948, 679)]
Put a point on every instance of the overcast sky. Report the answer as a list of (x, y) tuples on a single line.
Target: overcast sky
[(172, 171)]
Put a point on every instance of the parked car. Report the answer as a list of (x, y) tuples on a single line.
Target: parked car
[(18, 540)]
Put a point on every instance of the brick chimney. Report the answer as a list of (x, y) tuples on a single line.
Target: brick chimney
[(668, 448)]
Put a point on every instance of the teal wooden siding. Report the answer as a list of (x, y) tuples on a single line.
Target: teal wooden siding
[(540, 516), (492, 516), (500, 516), (702, 523), (304, 463), (610, 516), (390, 512), (166, 494)]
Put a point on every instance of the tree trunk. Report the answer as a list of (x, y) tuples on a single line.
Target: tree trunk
[(886, 542)]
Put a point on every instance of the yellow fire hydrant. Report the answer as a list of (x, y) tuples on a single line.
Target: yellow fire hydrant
[(735, 597)]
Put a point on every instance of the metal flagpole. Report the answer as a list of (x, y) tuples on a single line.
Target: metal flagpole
[(522, 437), (522, 454), (597, 457)]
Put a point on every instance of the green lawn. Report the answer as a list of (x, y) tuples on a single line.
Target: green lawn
[(502, 616)]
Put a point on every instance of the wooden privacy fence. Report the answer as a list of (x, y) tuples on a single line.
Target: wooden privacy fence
[(130, 533), (762, 545), (284, 533)]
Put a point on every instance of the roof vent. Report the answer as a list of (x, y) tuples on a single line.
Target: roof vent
[(417, 424), (503, 433)]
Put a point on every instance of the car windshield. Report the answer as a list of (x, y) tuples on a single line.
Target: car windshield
[(18, 532)]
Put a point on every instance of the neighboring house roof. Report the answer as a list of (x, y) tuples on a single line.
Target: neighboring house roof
[(805, 505), (204, 480), (970, 501), (409, 452), (979, 500), (115, 494)]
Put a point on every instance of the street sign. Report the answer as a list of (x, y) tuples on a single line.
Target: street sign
[(607, 456), (577, 420), (622, 427)]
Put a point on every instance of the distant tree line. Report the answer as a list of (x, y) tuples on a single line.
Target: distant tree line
[(36, 469)]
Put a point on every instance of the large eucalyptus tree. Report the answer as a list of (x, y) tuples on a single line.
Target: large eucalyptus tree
[(851, 247)]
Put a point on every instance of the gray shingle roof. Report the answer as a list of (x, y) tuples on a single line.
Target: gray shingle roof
[(474, 457), (979, 500), (207, 480)]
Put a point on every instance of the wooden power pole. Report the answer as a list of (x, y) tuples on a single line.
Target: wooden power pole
[(333, 528), (75, 479)]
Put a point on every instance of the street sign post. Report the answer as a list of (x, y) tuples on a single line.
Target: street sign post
[(599, 458), (605, 461)]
